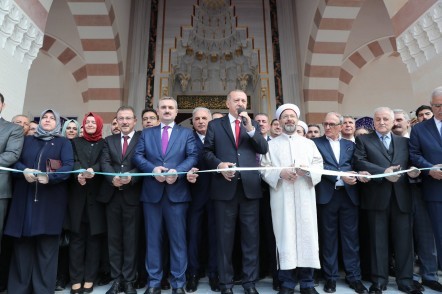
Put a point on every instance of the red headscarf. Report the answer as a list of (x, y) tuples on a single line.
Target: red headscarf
[(98, 133)]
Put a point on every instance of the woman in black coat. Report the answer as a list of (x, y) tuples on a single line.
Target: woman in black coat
[(38, 207), (86, 215)]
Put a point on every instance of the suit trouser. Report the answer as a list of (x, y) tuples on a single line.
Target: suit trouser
[(122, 227), (83, 255), (34, 265), (382, 223), (3, 211), (172, 217), (267, 235), (303, 275), (195, 230), (339, 218), (435, 213), (226, 215), (423, 238)]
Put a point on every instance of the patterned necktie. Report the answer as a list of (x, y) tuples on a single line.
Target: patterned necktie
[(125, 144), (237, 128), (164, 139)]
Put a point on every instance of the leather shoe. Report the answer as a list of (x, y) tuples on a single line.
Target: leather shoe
[(227, 291), (284, 290), (376, 289), (165, 285), (433, 285), (178, 291), (418, 286), (153, 290), (251, 290), (330, 286), (214, 284), (129, 288), (358, 287), (192, 284), (116, 288), (409, 290), (77, 291), (311, 290)]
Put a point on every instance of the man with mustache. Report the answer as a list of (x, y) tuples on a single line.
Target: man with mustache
[(401, 123)]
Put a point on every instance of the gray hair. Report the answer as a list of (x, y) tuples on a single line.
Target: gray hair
[(338, 115), (401, 111), (168, 98), (436, 92), (203, 109), (384, 108)]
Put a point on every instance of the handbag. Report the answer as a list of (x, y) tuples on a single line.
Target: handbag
[(52, 165)]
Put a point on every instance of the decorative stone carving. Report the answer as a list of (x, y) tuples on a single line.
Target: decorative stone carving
[(18, 34), (422, 41), (213, 55)]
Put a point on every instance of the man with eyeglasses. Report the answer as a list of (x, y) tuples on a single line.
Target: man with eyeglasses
[(22, 120), (337, 200), (293, 203), (121, 194), (426, 152), (149, 118)]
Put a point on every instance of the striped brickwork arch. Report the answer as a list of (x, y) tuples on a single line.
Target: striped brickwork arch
[(333, 21), (95, 20), (353, 64), (66, 55)]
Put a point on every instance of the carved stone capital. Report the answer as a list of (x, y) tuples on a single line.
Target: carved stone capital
[(19, 36)]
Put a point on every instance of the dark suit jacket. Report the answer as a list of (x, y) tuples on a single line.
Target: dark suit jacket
[(426, 151), (11, 143), (200, 189), (370, 155), (219, 146), (83, 202), (181, 155), (112, 162), (326, 187)]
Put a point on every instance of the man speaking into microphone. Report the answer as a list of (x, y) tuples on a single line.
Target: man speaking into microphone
[(233, 141)]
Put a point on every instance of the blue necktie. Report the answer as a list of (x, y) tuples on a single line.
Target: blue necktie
[(385, 141)]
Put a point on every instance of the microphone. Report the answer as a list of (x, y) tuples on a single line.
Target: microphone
[(243, 119)]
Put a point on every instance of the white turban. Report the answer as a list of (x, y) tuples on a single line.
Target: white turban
[(285, 107), (303, 125)]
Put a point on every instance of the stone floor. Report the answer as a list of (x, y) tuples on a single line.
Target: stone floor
[(265, 287)]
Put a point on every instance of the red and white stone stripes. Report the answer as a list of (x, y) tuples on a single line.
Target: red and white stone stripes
[(95, 20), (331, 29)]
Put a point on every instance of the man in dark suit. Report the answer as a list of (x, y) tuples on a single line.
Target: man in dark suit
[(338, 207), (200, 207), (230, 142), (426, 152), (387, 201), (167, 148), (122, 197), (11, 143)]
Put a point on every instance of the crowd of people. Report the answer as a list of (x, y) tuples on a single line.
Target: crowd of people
[(281, 200)]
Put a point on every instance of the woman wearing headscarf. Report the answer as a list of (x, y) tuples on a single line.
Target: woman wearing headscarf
[(38, 207), (71, 129), (86, 215)]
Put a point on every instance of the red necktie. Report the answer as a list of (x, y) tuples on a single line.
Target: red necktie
[(237, 128), (125, 144)]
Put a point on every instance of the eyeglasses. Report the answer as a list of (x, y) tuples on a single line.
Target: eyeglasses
[(149, 118), (331, 125), (128, 118), (436, 105)]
